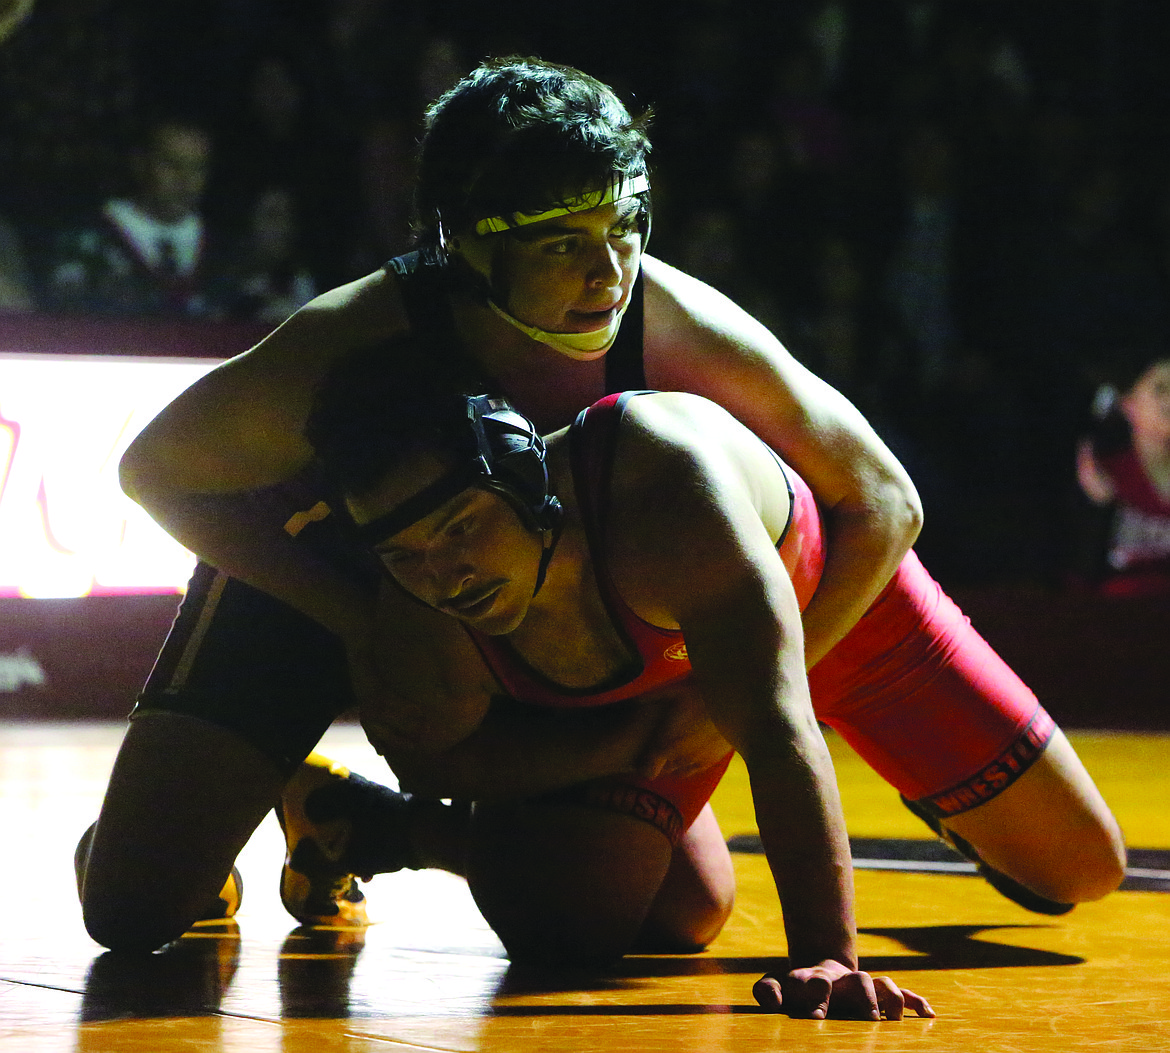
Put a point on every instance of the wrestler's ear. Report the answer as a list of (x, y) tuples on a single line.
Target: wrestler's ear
[(475, 250)]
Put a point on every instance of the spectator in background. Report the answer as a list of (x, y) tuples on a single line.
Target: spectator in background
[(849, 336), (962, 412), (921, 272), (12, 14), (1159, 229), (1124, 465), (145, 253), (812, 136), (1088, 281), (15, 286), (389, 128), (810, 125), (282, 125), (711, 247), (708, 82), (268, 276), (1094, 282)]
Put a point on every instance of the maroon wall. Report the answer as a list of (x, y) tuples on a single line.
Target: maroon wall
[(1094, 662), (78, 658), (64, 659)]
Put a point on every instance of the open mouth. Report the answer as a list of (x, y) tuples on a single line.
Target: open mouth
[(472, 605), (594, 319)]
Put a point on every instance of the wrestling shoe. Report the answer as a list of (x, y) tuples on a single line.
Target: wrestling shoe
[(338, 827), (998, 880)]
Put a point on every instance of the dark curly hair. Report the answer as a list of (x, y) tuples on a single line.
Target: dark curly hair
[(521, 134)]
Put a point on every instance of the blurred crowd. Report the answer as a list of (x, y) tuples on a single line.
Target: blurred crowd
[(956, 211)]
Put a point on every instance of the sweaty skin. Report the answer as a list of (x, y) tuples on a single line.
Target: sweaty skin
[(694, 550), (239, 427), (204, 469)]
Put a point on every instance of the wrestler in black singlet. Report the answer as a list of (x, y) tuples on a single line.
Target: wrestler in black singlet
[(244, 660)]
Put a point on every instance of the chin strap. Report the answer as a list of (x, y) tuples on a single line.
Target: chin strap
[(551, 536), (581, 347)]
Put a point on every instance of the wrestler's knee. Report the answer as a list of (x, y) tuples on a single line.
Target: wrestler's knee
[(1087, 867), (121, 925), (556, 923), (706, 920), (132, 908), (564, 945), (686, 934), (1078, 835), (564, 887), (697, 896), (1049, 828)]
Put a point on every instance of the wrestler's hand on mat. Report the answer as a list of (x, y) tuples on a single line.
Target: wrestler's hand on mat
[(684, 741), (830, 989)]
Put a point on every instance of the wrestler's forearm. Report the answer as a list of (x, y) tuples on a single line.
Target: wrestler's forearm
[(748, 659), (864, 547), (227, 531), (798, 813), (763, 709)]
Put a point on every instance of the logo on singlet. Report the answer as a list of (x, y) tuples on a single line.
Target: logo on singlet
[(676, 652)]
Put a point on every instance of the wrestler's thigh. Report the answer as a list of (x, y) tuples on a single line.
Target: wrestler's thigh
[(183, 799), (697, 894), (561, 884), (1051, 829)]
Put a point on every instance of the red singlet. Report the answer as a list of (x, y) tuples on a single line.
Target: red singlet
[(912, 688)]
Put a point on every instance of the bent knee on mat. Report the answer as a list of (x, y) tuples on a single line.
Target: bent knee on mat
[(660, 939), (1076, 867), (1090, 869), (140, 914), (1051, 830), (669, 930), (120, 926), (560, 950)]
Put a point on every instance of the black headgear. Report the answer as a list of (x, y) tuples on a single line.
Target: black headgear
[(507, 456)]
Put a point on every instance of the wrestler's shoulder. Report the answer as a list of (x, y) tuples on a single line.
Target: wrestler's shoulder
[(670, 434), (358, 312), (689, 324), (294, 356)]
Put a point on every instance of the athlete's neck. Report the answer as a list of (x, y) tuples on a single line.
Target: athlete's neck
[(546, 386), (567, 634)]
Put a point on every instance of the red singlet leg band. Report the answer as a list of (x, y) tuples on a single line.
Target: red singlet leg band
[(997, 776)]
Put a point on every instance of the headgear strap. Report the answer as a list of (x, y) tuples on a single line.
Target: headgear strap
[(523, 482), (620, 187), (417, 507)]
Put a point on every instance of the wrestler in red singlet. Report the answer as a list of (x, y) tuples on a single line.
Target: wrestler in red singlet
[(660, 654), (912, 688)]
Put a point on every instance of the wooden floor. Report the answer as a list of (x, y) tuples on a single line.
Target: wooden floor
[(429, 975)]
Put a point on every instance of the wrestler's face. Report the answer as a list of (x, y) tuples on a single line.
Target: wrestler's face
[(1147, 405), (568, 274), (175, 171), (471, 558)]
